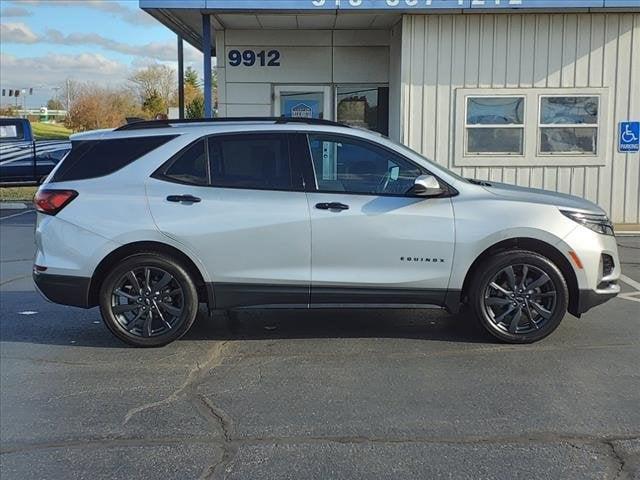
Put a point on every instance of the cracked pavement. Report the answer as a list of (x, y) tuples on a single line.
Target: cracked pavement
[(315, 395)]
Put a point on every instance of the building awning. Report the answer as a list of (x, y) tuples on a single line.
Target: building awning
[(184, 16)]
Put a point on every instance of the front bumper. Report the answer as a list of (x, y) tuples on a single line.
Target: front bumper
[(64, 289), (587, 299)]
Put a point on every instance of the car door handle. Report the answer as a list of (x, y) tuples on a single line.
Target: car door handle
[(332, 206), (183, 198)]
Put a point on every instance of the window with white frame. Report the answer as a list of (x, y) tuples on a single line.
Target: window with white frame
[(495, 125), (531, 126), (568, 125)]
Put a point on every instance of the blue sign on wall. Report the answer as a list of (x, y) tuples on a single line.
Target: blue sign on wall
[(629, 137), (301, 108)]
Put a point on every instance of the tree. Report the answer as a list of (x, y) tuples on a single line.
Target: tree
[(193, 97), (96, 107), (55, 104), (155, 80), (7, 111), (153, 104), (195, 108), (191, 77)]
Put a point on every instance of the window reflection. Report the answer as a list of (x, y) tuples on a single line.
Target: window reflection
[(495, 111), (564, 124), (364, 107)]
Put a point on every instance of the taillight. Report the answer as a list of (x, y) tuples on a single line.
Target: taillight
[(52, 201)]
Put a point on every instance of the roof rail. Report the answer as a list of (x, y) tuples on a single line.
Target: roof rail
[(139, 125)]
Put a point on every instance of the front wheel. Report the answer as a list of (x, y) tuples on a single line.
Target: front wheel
[(519, 296), (148, 300)]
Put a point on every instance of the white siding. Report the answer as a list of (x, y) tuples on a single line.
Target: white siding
[(442, 53)]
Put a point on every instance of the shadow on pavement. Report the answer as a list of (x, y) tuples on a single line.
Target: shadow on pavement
[(58, 325)]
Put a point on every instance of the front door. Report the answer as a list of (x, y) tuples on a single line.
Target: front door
[(298, 101), (236, 202), (372, 241)]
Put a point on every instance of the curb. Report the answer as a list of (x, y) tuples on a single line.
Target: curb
[(14, 205)]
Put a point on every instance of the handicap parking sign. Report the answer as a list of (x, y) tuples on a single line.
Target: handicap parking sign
[(629, 137)]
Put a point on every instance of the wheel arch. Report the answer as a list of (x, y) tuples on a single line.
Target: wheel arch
[(205, 294), (534, 245)]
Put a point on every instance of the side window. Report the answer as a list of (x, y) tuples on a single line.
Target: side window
[(568, 125), (495, 125), (258, 161), (349, 165), (190, 166)]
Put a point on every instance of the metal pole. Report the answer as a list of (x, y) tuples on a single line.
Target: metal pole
[(180, 77), (206, 51)]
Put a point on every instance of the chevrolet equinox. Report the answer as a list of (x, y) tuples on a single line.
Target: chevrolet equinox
[(151, 219)]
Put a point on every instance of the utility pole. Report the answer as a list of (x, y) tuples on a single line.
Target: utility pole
[(55, 89), (68, 95)]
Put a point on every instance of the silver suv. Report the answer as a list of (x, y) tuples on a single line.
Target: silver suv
[(153, 218)]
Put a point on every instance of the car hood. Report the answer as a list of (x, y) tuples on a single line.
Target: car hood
[(536, 195)]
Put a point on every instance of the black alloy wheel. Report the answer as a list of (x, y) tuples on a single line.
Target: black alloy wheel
[(519, 296), (520, 299), (148, 300)]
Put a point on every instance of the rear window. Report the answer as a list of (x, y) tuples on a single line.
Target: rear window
[(96, 158), (11, 131)]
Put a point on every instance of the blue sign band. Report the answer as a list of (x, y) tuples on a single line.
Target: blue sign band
[(404, 5)]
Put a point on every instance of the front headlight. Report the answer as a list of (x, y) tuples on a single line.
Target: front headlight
[(593, 221)]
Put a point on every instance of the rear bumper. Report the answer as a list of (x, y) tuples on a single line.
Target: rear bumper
[(588, 299), (64, 289)]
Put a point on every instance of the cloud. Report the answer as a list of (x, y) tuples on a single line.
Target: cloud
[(17, 33), (15, 12), (160, 51), (54, 69), (132, 15)]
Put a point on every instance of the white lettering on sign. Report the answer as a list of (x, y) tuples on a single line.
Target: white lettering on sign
[(321, 3), (414, 3), (497, 2)]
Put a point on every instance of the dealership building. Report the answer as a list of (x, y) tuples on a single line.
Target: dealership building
[(539, 93)]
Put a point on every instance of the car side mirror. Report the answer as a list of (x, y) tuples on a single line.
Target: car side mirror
[(427, 186)]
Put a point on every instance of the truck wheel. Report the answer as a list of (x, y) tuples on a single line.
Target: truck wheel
[(519, 296), (148, 300)]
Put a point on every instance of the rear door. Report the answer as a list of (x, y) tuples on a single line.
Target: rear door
[(237, 202), (373, 242)]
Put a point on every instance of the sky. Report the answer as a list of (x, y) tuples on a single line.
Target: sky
[(45, 42)]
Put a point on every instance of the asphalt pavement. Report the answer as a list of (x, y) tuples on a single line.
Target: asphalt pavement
[(323, 394)]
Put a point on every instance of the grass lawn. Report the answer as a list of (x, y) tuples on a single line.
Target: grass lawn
[(13, 194), (50, 131)]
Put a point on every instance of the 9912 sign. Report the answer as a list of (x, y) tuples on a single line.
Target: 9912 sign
[(249, 58)]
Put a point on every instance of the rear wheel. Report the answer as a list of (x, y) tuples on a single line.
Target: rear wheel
[(148, 300), (519, 296)]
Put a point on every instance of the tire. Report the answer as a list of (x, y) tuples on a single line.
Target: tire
[(512, 315), (126, 303)]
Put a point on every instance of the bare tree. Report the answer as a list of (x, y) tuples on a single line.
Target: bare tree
[(155, 81)]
